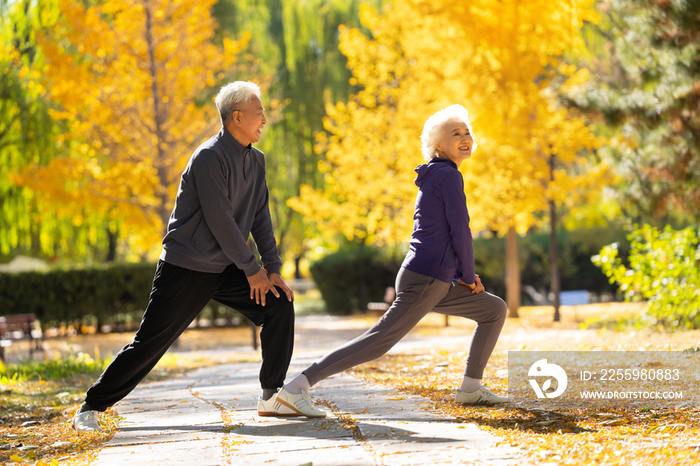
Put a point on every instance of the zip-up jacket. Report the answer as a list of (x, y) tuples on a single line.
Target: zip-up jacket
[(222, 198), (441, 243)]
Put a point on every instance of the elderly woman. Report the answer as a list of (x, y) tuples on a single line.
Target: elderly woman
[(437, 275)]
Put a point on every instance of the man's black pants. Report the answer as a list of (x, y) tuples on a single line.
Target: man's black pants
[(178, 295)]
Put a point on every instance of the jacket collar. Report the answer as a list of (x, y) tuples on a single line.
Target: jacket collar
[(441, 160), (232, 144)]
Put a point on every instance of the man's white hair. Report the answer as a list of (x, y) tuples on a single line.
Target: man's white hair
[(234, 95), (435, 128)]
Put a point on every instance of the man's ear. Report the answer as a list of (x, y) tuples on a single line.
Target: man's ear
[(236, 117)]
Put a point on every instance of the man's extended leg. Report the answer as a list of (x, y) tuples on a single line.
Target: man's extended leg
[(177, 296)]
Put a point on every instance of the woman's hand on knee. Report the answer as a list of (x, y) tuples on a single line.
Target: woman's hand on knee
[(476, 287), (479, 286)]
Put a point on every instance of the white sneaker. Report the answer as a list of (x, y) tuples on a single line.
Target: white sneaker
[(481, 395), (300, 404), (86, 422), (272, 407)]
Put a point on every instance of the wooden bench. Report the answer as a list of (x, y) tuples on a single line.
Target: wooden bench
[(18, 327)]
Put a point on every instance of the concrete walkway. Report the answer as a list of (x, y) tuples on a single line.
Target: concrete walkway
[(209, 417)]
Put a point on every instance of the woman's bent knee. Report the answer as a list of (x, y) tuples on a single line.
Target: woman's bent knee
[(499, 309)]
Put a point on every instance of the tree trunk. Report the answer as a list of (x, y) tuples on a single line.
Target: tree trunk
[(160, 164), (297, 270), (553, 254), (112, 245), (512, 273)]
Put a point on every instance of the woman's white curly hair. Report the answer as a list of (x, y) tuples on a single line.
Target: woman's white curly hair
[(434, 129)]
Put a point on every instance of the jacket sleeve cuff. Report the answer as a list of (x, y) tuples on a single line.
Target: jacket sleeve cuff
[(273, 268), (252, 270)]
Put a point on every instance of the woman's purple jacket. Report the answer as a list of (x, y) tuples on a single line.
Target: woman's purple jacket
[(441, 243)]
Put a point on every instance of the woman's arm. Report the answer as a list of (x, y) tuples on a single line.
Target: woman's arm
[(455, 201)]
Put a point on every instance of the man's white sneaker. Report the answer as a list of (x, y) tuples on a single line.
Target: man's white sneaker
[(300, 404), (481, 395), (272, 407), (86, 421)]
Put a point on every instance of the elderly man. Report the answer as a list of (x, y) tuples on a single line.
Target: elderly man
[(222, 198)]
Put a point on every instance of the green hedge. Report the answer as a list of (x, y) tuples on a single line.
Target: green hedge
[(351, 278), (115, 296), (111, 295)]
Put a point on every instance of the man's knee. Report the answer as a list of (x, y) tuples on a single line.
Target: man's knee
[(284, 310)]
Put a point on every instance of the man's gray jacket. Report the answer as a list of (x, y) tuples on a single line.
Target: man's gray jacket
[(222, 198)]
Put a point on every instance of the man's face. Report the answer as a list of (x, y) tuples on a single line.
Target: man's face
[(250, 120)]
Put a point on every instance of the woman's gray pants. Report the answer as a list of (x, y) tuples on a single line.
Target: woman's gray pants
[(416, 296)]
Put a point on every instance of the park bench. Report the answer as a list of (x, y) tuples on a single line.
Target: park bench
[(17, 327)]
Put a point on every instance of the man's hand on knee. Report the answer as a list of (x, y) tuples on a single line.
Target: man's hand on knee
[(260, 285), (277, 280)]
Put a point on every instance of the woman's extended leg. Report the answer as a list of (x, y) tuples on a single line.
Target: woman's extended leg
[(416, 296)]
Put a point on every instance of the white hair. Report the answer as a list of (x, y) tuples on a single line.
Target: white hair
[(232, 96), (435, 128)]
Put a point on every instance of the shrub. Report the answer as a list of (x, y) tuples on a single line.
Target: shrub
[(105, 295), (351, 278), (116, 296), (664, 268)]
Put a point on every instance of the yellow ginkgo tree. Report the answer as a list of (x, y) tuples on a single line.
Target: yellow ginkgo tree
[(134, 81), (495, 58)]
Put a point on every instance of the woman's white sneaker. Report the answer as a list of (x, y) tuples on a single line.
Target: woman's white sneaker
[(86, 421), (481, 395), (301, 404)]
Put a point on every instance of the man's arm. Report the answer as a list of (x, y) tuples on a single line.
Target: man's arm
[(264, 235)]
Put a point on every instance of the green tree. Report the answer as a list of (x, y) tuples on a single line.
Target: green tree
[(297, 42), (28, 135), (644, 89)]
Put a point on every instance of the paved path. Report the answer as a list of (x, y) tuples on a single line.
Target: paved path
[(209, 417)]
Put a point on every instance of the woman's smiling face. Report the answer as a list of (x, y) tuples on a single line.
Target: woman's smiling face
[(457, 143)]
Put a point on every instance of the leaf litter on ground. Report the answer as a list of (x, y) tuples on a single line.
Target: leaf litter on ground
[(577, 436)]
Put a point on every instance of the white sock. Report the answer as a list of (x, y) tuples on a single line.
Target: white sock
[(297, 385), (470, 385)]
